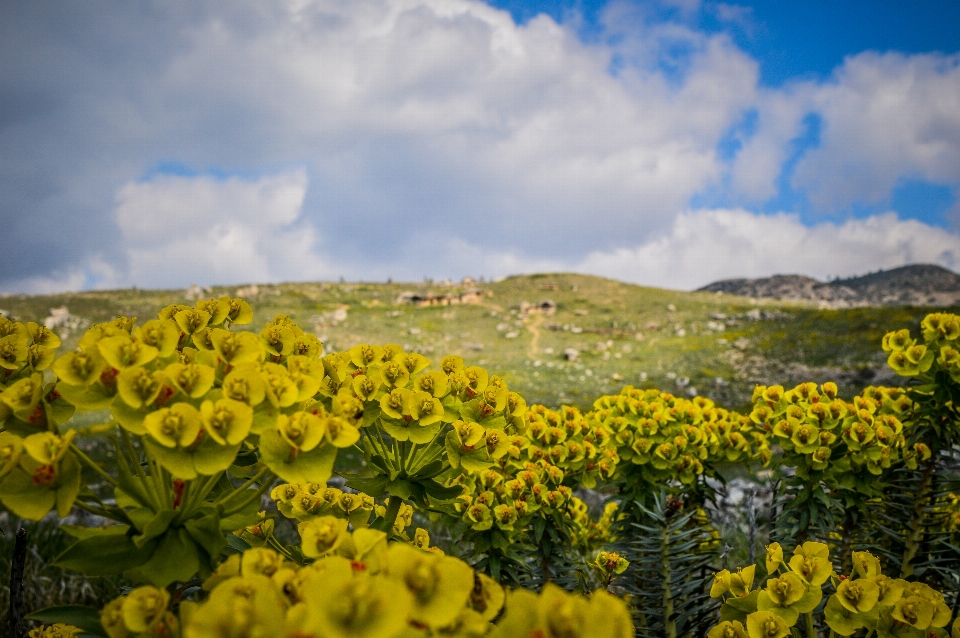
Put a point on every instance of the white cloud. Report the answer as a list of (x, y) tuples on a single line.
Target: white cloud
[(885, 118), (707, 245), (418, 123), (216, 231)]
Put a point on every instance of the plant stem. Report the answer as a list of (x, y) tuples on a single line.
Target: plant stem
[(390, 516), (912, 544), (669, 623), (811, 628), (256, 477), (92, 465), (247, 501), (17, 564)]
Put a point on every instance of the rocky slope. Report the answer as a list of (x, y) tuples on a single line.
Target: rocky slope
[(914, 285)]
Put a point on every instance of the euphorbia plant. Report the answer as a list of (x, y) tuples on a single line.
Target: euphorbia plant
[(865, 602)]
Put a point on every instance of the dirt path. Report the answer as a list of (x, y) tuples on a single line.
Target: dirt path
[(534, 328)]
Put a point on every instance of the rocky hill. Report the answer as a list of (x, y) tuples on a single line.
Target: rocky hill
[(914, 285)]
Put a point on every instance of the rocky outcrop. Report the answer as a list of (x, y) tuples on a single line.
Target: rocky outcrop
[(914, 285)]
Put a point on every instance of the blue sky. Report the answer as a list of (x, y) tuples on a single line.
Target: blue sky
[(794, 41), (790, 38), (665, 142)]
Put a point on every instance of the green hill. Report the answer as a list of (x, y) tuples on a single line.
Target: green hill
[(556, 338)]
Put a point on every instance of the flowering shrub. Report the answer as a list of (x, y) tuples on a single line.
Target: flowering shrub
[(865, 601), (204, 419)]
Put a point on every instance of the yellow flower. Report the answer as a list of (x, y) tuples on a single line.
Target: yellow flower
[(164, 335), (866, 564), (260, 560), (121, 351), (240, 311), (236, 347), (79, 368), (440, 585), (364, 356), (914, 611), (321, 536), (227, 421), (774, 558), (176, 426), (302, 430), (13, 351), (728, 629), (144, 607), (345, 604), (59, 630), (763, 624), (487, 597), (193, 379), (742, 582), (244, 384), (858, 595), (721, 584), (239, 606), (138, 387), (812, 562), (111, 619), (192, 320)]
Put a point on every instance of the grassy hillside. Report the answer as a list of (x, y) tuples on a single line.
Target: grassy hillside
[(712, 344)]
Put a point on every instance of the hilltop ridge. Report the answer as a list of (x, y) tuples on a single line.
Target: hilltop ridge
[(913, 285)]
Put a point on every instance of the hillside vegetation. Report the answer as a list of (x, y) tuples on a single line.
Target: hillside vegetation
[(560, 338)]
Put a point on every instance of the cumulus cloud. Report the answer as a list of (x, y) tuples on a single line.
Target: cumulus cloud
[(885, 117), (435, 137), (707, 245), (207, 230)]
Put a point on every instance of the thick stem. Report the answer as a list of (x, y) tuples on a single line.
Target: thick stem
[(255, 497), (915, 534), (390, 516), (846, 556), (17, 564), (253, 479), (669, 624), (811, 628), (86, 460)]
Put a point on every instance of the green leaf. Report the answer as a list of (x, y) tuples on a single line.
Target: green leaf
[(747, 604), (538, 526), (246, 458), (373, 486), (451, 408), (380, 462), (205, 530), (439, 492), (86, 618), (237, 544), (81, 532), (156, 526), (87, 398), (401, 488), (176, 558), (432, 470), (130, 483), (105, 555), (244, 518), (315, 466)]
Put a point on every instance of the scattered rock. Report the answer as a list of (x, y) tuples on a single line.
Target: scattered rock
[(571, 354)]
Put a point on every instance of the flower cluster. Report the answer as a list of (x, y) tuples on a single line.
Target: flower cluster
[(533, 470), (909, 358), (354, 585), (850, 441), (667, 438), (888, 607)]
